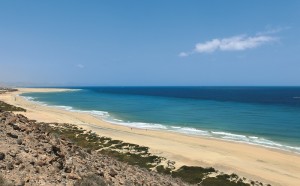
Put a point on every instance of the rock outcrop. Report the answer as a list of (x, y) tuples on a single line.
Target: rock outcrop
[(30, 155)]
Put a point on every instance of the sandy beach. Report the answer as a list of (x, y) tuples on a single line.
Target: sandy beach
[(254, 162)]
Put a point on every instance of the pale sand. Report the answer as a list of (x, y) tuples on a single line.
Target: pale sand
[(254, 162)]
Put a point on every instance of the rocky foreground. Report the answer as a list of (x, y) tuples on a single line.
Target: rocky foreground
[(29, 155)]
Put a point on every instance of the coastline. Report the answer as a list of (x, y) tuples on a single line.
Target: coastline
[(272, 166)]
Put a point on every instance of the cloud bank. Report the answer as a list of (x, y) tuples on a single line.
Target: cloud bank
[(235, 43)]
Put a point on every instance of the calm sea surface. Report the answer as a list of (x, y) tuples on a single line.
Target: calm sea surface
[(267, 116)]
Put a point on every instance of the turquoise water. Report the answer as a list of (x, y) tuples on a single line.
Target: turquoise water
[(263, 116)]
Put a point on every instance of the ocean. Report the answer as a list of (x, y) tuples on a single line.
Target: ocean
[(265, 116)]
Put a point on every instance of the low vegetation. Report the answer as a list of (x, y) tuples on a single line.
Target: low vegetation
[(192, 174), (7, 107), (132, 154)]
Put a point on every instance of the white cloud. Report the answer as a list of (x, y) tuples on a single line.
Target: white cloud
[(235, 43), (270, 30), (208, 46), (80, 65), (183, 54), (243, 42)]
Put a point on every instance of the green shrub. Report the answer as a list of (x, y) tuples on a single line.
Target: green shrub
[(161, 169), (7, 107), (192, 174), (220, 181)]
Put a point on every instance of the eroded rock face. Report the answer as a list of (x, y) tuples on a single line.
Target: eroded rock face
[(29, 155)]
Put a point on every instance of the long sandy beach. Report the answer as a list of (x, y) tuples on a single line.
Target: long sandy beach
[(254, 162)]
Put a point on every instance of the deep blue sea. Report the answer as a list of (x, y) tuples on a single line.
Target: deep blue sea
[(267, 116)]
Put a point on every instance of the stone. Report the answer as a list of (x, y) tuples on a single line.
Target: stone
[(19, 141), (73, 176), (26, 150), (12, 153), (68, 169), (2, 166), (56, 150), (113, 173), (2, 156), (89, 150), (22, 167), (32, 162), (16, 127), (37, 170), (18, 161), (12, 135), (41, 163), (100, 173), (64, 175), (59, 165), (9, 166)]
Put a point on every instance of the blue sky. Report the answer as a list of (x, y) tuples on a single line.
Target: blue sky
[(150, 42)]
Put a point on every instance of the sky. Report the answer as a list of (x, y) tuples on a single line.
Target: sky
[(150, 43)]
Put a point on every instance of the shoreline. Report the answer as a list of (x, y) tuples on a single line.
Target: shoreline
[(165, 128), (188, 131), (273, 166)]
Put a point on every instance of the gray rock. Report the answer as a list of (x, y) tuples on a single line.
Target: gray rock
[(100, 173), (16, 127), (2, 166), (26, 150), (12, 153), (2, 156), (18, 161), (19, 141), (68, 169), (56, 150), (12, 135), (89, 150), (41, 163), (9, 166), (37, 170), (32, 162), (59, 165), (22, 167), (113, 173)]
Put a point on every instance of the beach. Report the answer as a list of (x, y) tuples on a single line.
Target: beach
[(268, 165)]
